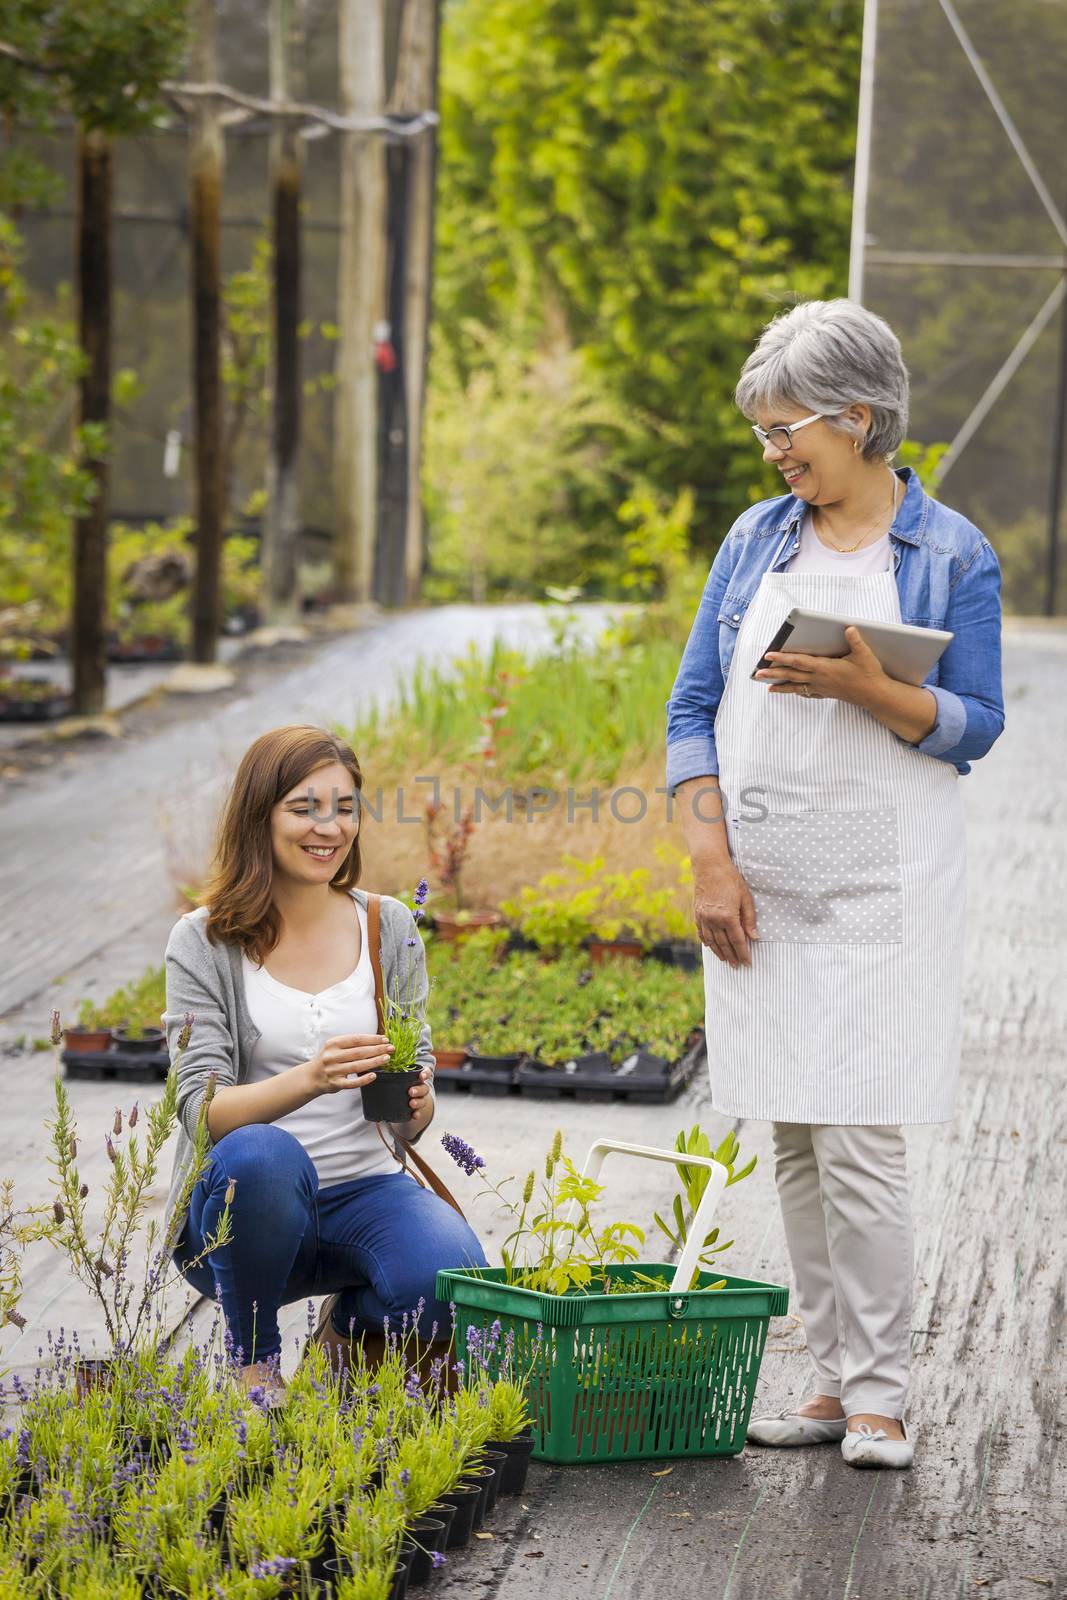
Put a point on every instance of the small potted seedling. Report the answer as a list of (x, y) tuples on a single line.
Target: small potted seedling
[(91, 1034), (386, 1098), (136, 1039)]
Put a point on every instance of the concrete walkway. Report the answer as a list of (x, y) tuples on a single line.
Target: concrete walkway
[(982, 1512)]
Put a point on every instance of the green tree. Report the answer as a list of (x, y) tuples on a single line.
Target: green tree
[(43, 480), (660, 177), (103, 63)]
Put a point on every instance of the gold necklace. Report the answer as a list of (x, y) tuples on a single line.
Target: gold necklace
[(847, 549)]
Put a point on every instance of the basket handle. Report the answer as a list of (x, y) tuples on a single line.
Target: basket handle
[(704, 1212)]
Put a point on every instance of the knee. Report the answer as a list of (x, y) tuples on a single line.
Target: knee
[(266, 1164), (414, 1280)]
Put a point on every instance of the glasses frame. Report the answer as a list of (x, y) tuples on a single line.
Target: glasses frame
[(788, 428)]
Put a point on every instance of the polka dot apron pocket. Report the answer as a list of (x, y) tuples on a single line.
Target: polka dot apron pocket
[(823, 877)]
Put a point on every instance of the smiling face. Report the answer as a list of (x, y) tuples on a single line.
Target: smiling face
[(310, 838), (822, 467)]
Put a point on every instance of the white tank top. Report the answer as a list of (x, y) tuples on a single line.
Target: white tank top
[(814, 556), (293, 1026)]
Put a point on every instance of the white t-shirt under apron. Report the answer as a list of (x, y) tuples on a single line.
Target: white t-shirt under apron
[(814, 556), (294, 1025)]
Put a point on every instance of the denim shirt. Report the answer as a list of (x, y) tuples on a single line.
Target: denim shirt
[(947, 576)]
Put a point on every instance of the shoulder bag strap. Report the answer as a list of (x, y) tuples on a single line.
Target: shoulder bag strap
[(424, 1173)]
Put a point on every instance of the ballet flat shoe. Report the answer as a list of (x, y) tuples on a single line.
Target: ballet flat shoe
[(864, 1447), (788, 1429)]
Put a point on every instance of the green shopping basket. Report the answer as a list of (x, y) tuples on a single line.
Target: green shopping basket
[(627, 1377)]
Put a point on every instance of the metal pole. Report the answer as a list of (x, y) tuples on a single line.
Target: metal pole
[(861, 181), (1056, 490)]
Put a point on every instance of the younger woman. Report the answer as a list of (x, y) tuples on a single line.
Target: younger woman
[(276, 969)]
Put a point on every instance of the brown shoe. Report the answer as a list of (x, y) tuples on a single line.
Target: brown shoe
[(346, 1354)]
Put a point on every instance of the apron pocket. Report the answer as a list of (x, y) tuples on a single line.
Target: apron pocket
[(823, 877)]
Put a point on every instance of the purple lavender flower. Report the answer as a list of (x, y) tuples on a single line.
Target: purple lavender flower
[(276, 1567), (461, 1153), (436, 1559), (422, 889)]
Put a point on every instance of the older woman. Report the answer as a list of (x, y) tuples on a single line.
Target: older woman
[(820, 803)]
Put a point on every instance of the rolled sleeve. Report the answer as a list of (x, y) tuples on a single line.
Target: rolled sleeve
[(969, 691), (698, 687), (950, 725), (695, 757)]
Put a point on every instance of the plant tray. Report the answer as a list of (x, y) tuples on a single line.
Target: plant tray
[(642, 1078), (126, 1066), (44, 710), (140, 652), (628, 1376), (471, 1079)]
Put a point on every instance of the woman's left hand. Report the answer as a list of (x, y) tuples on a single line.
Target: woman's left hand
[(857, 677), (420, 1097)]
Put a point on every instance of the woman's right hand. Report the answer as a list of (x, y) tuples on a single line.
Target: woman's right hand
[(347, 1062), (724, 912)]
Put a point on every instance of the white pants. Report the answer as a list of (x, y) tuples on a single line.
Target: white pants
[(844, 1197)]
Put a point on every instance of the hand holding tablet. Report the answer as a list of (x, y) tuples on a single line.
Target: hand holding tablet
[(906, 653)]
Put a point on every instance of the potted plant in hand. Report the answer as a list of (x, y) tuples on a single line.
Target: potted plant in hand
[(386, 1098)]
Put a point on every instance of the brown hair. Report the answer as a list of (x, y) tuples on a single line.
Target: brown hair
[(238, 893)]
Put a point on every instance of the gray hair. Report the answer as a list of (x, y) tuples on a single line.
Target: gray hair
[(826, 355)]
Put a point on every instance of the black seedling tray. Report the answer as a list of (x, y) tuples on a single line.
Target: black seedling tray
[(122, 1066), (470, 1079), (641, 1078)]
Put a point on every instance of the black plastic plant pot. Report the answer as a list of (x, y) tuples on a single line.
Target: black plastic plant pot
[(504, 1063), (444, 1511), (26, 1484), (428, 1537), (147, 1043), (517, 1462), (465, 1499), (318, 1566), (216, 1517), (480, 1477), (386, 1099), (337, 1567), (401, 1574), (495, 1459)]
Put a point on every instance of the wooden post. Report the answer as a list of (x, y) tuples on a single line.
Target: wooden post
[(206, 158), (282, 523), (415, 90), (360, 298), (88, 636)]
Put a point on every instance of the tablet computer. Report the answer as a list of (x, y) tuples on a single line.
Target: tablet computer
[(906, 653)]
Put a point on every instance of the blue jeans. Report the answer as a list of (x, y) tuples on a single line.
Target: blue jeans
[(378, 1242)]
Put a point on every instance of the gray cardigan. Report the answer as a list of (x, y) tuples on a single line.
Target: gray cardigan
[(207, 980)]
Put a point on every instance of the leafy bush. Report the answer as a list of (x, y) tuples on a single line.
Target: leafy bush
[(43, 478), (139, 1004), (576, 715)]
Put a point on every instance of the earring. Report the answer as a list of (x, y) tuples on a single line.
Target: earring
[(855, 446)]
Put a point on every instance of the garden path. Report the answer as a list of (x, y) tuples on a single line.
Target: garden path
[(978, 1514)]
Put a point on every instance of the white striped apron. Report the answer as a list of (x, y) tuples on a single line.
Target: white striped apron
[(850, 1011)]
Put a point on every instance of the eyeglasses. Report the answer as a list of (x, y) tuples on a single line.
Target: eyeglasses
[(781, 435)]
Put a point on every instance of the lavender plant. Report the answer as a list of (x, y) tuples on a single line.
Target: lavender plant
[(131, 1298), (19, 1228), (405, 1010)]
